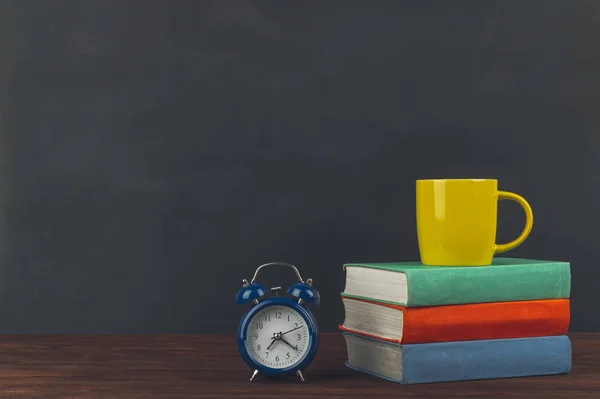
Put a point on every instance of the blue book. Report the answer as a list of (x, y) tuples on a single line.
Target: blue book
[(459, 361)]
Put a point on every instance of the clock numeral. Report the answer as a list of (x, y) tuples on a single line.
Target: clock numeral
[(267, 355), (287, 355), (295, 325), (267, 317), (255, 336), (298, 337), (276, 358), (258, 346), (288, 317), (259, 325), (278, 315)]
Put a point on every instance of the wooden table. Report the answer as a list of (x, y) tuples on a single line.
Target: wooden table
[(208, 366)]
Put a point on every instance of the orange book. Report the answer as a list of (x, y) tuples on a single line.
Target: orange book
[(468, 322)]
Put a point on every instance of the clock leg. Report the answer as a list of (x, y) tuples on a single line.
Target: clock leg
[(254, 375), (299, 373)]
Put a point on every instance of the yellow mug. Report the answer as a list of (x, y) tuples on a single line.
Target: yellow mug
[(456, 221)]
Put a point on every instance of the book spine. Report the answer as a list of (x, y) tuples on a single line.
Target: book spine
[(488, 359), (480, 321), (477, 285)]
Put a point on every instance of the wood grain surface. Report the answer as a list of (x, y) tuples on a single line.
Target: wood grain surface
[(209, 366)]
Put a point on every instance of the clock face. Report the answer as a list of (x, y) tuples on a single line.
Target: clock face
[(277, 337)]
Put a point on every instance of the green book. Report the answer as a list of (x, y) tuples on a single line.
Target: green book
[(412, 284)]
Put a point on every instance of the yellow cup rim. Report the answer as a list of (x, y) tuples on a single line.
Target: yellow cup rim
[(458, 180)]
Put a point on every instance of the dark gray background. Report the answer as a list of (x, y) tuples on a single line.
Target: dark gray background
[(154, 153)]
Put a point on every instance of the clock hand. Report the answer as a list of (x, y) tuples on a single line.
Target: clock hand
[(293, 329), (288, 344), (274, 339)]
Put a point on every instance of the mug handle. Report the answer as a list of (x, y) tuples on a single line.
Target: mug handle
[(505, 195)]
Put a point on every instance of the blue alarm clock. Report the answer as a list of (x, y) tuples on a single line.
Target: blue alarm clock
[(278, 335)]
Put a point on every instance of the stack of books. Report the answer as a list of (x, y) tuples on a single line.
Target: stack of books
[(412, 324)]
